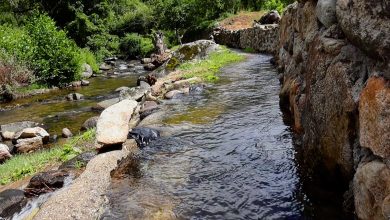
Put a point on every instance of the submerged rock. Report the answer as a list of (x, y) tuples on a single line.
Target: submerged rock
[(46, 182), (143, 136), (173, 94), (11, 201), (113, 123), (74, 97)]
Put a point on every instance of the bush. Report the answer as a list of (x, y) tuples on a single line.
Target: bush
[(134, 45), (89, 58), (56, 59), (103, 45), (278, 5)]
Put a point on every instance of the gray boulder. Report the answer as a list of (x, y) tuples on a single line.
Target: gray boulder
[(85, 82), (89, 123), (326, 12), (66, 133), (106, 103), (113, 124), (74, 97), (17, 126), (173, 94), (33, 132), (135, 93), (87, 71)]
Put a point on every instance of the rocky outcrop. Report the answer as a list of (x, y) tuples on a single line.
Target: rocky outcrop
[(113, 124), (262, 38), (334, 58)]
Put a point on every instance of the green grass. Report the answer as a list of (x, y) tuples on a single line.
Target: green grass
[(24, 165), (29, 88), (249, 50), (208, 69)]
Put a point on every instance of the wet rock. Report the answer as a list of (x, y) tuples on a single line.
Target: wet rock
[(18, 126), (134, 93), (85, 82), (371, 189), (146, 60), (53, 138), (4, 153), (148, 105), (149, 67), (76, 84), (32, 133), (140, 79), (66, 133), (105, 67), (196, 89), (366, 24), (74, 97), (11, 201), (105, 104), (110, 59), (28, 145), (113, 123), (150, 97), (143, 136), (186, 82), (79, 161), (123, 67), (152, 118), (173, 94), (8, 135), (144, 85), (326, 12), (145, 113), (87, 71), (374, 117), (46, 182), (123, 88), (89, 123)]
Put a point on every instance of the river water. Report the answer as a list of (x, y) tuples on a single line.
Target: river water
[(230, 156)]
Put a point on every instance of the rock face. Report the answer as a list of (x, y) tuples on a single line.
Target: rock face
[(11, 202), (337, 93), (262, 38), (113, 123)]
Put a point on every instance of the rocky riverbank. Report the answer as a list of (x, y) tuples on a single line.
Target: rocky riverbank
[(115, 133), (334, 55)]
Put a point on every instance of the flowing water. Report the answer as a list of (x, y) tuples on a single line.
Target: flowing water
[(230, 156), (53, 110)]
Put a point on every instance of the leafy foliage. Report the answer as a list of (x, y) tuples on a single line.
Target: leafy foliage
[(133, 45)]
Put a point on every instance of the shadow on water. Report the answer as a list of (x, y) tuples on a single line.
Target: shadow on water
[(231, 156)]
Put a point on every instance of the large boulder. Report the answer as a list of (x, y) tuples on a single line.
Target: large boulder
[(371, 186), (106, 103), (374, 117), (89, 123), (134, 93), (326, 12), (46, 182), (113, 123), (4, 153), (366, 24), (28, 145), (33, 132), (11, 201)]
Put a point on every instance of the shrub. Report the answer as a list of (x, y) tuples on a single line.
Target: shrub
[(56, 59), (278, 5), (134, 45), (103, 45), (88, 57)]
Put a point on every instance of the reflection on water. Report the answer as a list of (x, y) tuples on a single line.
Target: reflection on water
[(233, 157)]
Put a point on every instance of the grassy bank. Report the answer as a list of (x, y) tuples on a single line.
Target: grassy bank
[(208, 69), (24, 165)]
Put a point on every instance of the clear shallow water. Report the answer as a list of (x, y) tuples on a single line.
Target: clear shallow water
[(231, 156)]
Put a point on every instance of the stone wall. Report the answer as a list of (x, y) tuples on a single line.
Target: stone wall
[(263, 38), (334, 55)]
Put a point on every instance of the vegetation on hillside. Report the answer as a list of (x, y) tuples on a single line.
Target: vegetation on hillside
[(41, 41)]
